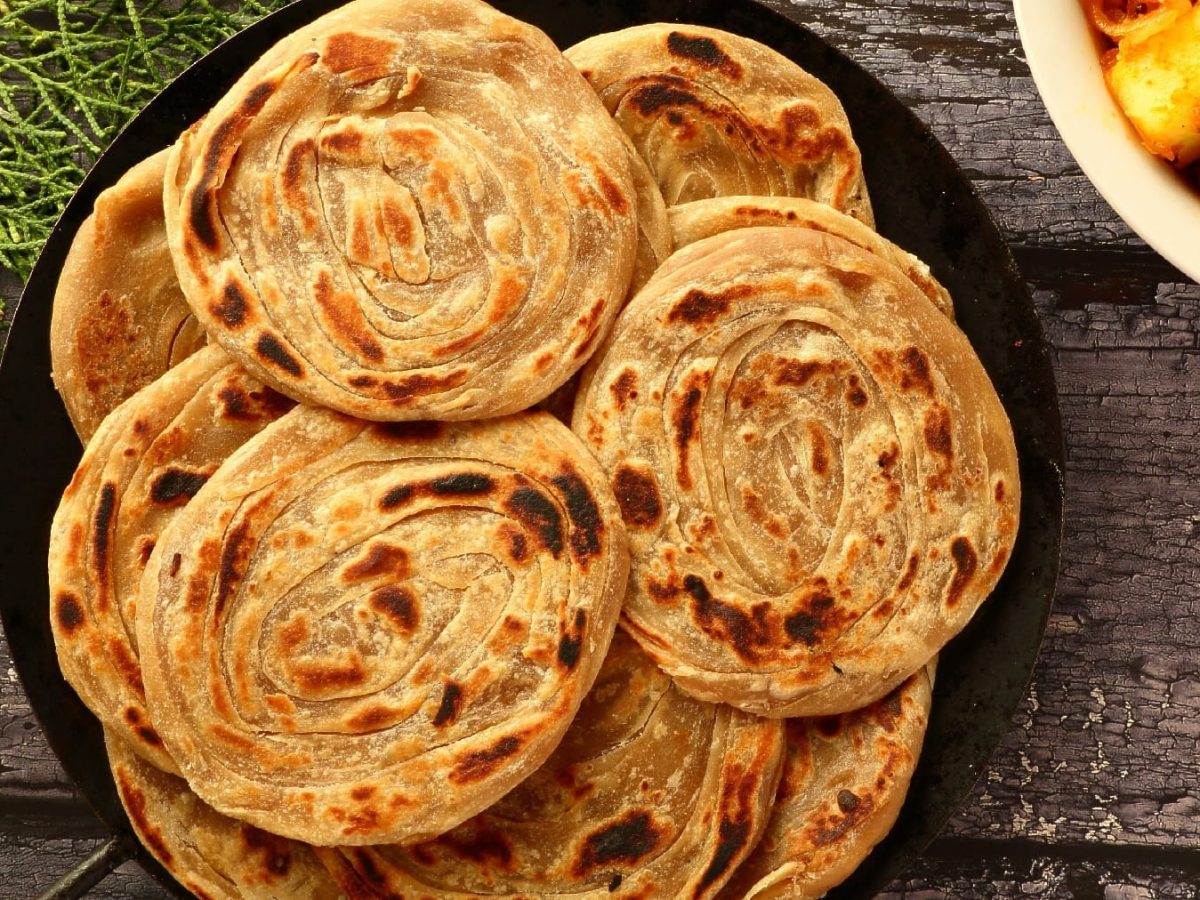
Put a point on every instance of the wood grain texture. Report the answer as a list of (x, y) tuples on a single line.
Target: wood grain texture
[(1096, 791)]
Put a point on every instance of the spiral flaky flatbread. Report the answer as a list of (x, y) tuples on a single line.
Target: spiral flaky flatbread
[(406, 211), (819, 480), (716, 114), (844, 781), (211, 855), (350, 620), (147, 459), (691, 222), (652, 794), (119, 317)]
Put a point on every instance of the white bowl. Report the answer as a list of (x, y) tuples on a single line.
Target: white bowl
[(1143, 190)]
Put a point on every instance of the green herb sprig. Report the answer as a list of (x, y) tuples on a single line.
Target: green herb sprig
[(72, 74)]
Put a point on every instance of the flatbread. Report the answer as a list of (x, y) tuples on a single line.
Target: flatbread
[(351, 619), (651, 794), (406, 211), (119, 318), (145, 462), (844, 782), (211, 855), (819, 481), (695, 221), (716, 114)]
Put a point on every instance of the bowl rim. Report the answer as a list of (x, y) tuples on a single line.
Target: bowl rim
[(1142, 189)]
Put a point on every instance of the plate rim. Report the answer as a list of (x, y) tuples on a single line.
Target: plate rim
[(105, 172)]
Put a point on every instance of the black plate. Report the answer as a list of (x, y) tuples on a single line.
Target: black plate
[(922, 200)]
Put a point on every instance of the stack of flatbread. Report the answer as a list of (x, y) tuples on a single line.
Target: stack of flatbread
[(362, 618)]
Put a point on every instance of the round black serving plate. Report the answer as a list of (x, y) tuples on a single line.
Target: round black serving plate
[(922, 201)]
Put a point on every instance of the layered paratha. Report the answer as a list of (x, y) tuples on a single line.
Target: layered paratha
[(361, 633), (819, 480), (406, 211), (844, 781), (715, 114), (145, 462), (211, 855), (651, 794), (119, 318)]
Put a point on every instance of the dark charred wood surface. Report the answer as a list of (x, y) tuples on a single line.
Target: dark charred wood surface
[(1096, 790)]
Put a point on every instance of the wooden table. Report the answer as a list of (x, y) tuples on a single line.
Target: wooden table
[(1096, 790)]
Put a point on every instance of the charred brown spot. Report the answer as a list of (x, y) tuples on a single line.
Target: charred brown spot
[(142, 728), (145, 550), (518, 548), (480, 764), (448, 709), (374, 718), (687, 415), (794, 373), (703, 51), (403, 392), (261, 404), (624, 388), (466, 484), (398, 605), (396, 497), (570, 645), (625, 841), (856, 396), (830, 726), (820, 450), (176, 562), (270, 350), (534, 510), (347, 51), (175, 487), (345, 317), (999, 491), (123, 660), (847, 801), (69, 610), (234, 556), (481, 845), (937, 432), (915, 374), (200, 218), (807, 624), (966, 564), (363, 793), (232, 308), (346, 140), (293, 169), (101, 526), (910, 573), (276, 852), (832, 828), (380, 559), (135, 805), (745, 634), (637, 497), (702, 308), (612, 192), (652, 98), (315, 676), (587, 527), (411, 431), (732, 837)]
